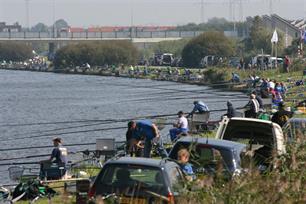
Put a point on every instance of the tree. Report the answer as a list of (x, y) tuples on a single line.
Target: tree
[(61, 23), (40, 27), (260, 38), (209, 43), (11, 51), (96, 54)]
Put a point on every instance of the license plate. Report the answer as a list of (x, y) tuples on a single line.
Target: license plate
[(131, 200)]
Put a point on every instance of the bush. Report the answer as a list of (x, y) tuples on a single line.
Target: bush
[(209, 43), (11, 51), (284, 184), (96, 54)]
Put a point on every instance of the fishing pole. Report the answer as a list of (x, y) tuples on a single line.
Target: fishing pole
[(50, 146), (66, 133), (95, 130), (24, 157), (86, 121), (65, 128), (18, 163)]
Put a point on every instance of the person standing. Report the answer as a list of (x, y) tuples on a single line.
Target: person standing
[(181, 126), (287, 64), (147, 131)]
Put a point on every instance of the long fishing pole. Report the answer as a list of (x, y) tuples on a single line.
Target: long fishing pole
[(66, 133), (91, 130), (18, 163), (86, 121), (24, 157), (64, 128), (50, 146)]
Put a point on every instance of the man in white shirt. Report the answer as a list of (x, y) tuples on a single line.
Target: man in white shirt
[(181, 127)]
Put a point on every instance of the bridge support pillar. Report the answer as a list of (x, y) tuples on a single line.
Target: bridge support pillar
[(52, 47)]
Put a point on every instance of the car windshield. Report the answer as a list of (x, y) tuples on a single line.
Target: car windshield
[(127, 179)]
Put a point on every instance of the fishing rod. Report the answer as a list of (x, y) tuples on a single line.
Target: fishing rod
[(212, 92), (100, 129), (50, 146), (86, 121), (66, 133), (41, 155), (181, 98), (18, 163), (24, 157), (64, 128)]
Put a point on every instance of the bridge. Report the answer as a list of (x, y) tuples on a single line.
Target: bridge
[(135, 36)]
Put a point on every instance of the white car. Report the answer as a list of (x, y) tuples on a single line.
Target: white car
[(263, 138)]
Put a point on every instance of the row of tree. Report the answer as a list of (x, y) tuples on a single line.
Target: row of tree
[(12, 51), (96, 54)]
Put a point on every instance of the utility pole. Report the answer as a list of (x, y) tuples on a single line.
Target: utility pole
[(53, 18), (27, 4), (202, 11), (270, 7), (240, 10), (230, 6), (132, 18)]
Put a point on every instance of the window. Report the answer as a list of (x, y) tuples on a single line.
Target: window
[(127, 177)]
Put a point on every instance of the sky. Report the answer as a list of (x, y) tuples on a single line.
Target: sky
[(88, 13)]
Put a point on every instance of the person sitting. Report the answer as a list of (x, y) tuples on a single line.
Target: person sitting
[(235, 78), (199, 107), (183, 160), (58, 156), (123, 180), (276, 99), (281, 116), (253, 107), (259, 99), (181, 127)]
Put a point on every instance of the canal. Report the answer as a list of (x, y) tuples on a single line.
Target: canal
[(35, 107)]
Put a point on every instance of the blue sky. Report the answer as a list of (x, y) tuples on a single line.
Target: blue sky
[(85, 13)]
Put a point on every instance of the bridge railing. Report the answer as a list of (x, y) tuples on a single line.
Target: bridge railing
[(89, 35)]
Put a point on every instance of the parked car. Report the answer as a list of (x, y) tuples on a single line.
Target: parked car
[(262, 137), (295, 129), (234, 62), (167, 59), (139, 180), (205, 152)]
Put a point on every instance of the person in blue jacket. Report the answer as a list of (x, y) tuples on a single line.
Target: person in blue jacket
[(147, 131), (199, 107)]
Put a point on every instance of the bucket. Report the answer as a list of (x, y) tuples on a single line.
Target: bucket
[(264, 116)]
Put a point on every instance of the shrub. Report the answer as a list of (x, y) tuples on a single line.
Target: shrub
[(15, 51), (96, 54), (209, 43)]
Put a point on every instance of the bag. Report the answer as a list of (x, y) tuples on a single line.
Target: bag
[(32, 189)]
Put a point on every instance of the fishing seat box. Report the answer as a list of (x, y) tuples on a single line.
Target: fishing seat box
[(54, 171), (105, 147), (199, 119)]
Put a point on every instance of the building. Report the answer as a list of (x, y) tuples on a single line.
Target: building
[(10, 28)]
